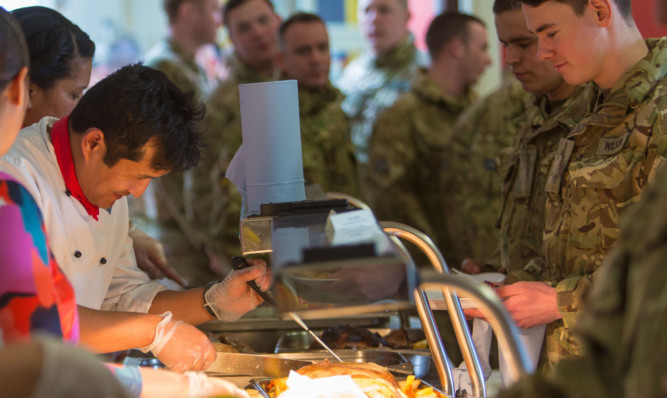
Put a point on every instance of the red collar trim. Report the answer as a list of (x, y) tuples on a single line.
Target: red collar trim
[(61, 146)]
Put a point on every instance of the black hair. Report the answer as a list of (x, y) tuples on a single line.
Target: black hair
[(13, 49), (299, 17), (501, 6), (54, 42), (446, 27), (624, 6), (232, 4), (135, 105)]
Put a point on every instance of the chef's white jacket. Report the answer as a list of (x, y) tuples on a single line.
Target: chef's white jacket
[(96, 256)]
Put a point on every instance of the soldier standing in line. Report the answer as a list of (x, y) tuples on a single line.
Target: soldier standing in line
[(328, 154), (410, 147), (603, 164), (192, 25), (372, 82), (252, 27)]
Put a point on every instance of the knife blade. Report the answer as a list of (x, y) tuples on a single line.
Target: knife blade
[(240, 263), (236, 364)]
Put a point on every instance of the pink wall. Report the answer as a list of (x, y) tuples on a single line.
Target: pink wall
[(422, 13), (647, 16)]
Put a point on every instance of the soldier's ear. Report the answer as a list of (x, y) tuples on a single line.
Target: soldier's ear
[(455, 48), (603, 11)]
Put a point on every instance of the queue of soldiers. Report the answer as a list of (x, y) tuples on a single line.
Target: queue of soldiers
[(530, 180), (542, 180)]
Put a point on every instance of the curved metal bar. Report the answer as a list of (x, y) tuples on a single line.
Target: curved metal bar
[(493, 310), (426, 245), (438, 351)]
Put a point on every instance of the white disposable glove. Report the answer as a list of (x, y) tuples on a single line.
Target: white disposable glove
[(232, 297), (202, 386), (72, 373), (151, 258), (180, 346)]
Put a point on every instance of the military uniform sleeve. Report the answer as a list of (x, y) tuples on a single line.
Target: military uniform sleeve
[(177, 76), (392, 196)]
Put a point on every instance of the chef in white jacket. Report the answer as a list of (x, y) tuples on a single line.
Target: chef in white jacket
[(132, 126)]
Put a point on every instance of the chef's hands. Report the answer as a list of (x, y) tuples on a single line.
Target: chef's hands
[(180, 346), (529, 303), (232, 297), (151, 258)]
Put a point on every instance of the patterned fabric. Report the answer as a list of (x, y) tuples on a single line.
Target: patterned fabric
[(182, 69), (371, 84), (409, 175), (482, 131), (598, 171), (328, 154), (625, 323), (35, 296), (525, 164)]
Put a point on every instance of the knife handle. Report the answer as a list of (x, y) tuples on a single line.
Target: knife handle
[(240, 263)]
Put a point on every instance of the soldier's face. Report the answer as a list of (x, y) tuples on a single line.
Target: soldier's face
[(536, 76), (306, 54), (253, 28), (383, 22), (574, 44), (207, 20), (476, 57)]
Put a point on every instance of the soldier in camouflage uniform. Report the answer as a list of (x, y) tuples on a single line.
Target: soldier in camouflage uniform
[(216, 205), (328, 154), (623, 328), (603, 164), (192, 24), (482, 131), (372, 82), (410, 147)]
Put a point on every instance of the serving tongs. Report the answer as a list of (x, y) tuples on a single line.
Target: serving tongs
[(240, 263)]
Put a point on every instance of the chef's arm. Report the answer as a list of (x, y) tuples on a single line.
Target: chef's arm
[(228, 299), (99, 330)]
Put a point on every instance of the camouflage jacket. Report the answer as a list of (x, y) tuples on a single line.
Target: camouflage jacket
[(214, 205), (525, 164), (372, 84), (180, 68), (328, 154), (482, 131), (598, 171), (409, 158), (624, 326)]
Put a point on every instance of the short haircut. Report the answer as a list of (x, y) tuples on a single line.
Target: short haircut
[(54, 42), (136, 104), (232, 4), (624, 6), (13, 49), (171, 8), (501, 6), (300, 17), (446, 27)]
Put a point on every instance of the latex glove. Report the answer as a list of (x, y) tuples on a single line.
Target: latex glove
[(71, 373), (202, 386), (232, 297), (180, 346), (151, 258)]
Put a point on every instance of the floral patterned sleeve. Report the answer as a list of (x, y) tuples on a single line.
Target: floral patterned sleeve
[(35, 296)]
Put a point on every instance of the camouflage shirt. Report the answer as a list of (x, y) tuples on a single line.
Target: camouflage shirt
[(598, 171), (328, 154), (180, 68), (525, 164), (625, 323), (372, 84), (482, 131), (409, 158)]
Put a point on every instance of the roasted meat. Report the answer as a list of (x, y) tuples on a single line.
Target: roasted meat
[(346, 336)]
